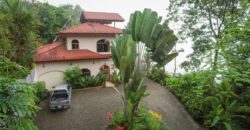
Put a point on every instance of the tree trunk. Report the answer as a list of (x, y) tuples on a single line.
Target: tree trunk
[(215, 60), (175, 67)]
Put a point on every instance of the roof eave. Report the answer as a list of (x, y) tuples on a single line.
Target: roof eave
[(64, 60), (88, 34), (104, 20)]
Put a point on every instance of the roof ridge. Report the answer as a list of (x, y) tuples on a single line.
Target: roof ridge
[(60, 44), (43, 46), (69, 28), (91, 27), (99, 12)]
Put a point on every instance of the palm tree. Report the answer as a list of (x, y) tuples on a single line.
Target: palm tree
[(17, 20)]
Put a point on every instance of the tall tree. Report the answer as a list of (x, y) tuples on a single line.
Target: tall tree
[(52, 19), (17, 31), (204, 21), (236, 54)]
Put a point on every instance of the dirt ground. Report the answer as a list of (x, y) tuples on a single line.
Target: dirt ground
[(90, 106)]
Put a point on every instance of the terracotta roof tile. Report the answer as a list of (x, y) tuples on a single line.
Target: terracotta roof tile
[(100, 16), (47, 47), (58, 52), (91, 28)]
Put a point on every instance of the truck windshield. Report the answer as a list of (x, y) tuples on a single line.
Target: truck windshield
[(62, 94)]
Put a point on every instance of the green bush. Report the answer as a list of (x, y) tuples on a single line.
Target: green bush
[(223, 102), (115, 78), (74, 77), (17, 105), (191, 89), (91, 81), (242, 116), (11, 69), (157, 75), (142, 120), (41, 91), (216, 106), (100, 79)]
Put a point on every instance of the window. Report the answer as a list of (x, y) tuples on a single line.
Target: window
[(86, 72), (75, 44), (60, 94), (103, 46)]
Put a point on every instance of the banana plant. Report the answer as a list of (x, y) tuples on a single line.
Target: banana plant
[(145, 27), (124, 56), (127, 52)]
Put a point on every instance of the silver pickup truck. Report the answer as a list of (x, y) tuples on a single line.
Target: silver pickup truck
[(60, 97)]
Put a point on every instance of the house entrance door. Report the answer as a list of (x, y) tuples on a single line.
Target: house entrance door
[(106, 70)]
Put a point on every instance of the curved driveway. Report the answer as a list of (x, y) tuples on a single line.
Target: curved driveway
[(90, 106)]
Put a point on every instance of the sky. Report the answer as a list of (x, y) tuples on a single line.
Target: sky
[(125, 8)]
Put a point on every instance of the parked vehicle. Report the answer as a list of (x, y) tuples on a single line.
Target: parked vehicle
[(60, 97)]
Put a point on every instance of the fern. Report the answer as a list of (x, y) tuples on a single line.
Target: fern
[(245, 110)]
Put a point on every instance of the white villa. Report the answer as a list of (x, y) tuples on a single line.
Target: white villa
[(86, 45)]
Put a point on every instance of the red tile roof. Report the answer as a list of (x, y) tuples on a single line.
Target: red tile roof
[(91, 28), (100, 17), (47, 47), (58, 52)]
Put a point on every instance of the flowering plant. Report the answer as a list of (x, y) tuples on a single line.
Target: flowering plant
[(154, 115), (142, 120)]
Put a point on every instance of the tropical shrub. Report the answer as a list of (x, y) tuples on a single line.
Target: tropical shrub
[(144, 120), (11, 69), (74, 77), (191, 89), (100, 79), (222, 102), (215, 105), (115, 78), (17, 31), (158, 75), (17, 105), (41, 91), (91, 81), (17, 100), (242, 116)]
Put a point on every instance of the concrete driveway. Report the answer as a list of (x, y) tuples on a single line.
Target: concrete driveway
[(90, 106)]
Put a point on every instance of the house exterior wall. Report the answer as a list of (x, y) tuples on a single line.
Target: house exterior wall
[(89, 43), (53, 73)]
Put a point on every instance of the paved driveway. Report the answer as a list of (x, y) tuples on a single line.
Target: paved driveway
[(90, 106)]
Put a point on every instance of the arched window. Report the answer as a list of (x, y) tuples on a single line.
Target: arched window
[(75, 44), (86, 72), (103, 45)]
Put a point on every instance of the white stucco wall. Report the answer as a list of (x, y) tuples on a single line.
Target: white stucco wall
[(53, 73), (89, 43)]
